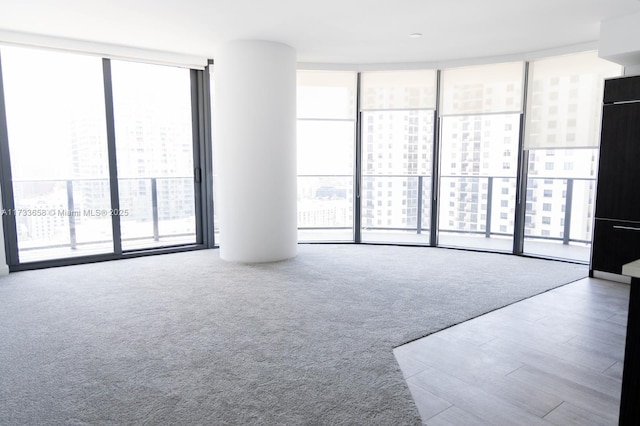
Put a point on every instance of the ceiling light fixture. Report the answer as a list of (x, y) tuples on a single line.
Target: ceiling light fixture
[(415, 35)]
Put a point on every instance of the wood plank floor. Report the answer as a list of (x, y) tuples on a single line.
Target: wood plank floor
[(555, 358)]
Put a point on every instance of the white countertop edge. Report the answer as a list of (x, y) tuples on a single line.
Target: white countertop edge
[(632, 269)]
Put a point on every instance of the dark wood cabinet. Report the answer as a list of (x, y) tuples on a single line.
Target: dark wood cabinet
[(615, 243), (619, 171), (622, 89), (616, 236)]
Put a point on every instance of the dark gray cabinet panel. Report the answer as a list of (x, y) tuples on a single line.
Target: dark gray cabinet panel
[(619, 171), (616, 236), (614, 244), (615, 240), (622, 90)]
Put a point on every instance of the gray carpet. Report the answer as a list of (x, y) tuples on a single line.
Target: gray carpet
[(190, 339)]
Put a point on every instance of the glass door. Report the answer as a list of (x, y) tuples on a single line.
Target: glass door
[(154, 150), (67, 171), (325, 150), (397, 123), (58, 147), (481, 108)]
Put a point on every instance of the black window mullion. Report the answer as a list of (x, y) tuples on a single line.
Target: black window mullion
[(111, 152), (357, 199), (522, 173), (9, 219), (206, 159), (435, 168)]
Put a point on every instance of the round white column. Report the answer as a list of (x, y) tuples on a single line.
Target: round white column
[(255, 150)]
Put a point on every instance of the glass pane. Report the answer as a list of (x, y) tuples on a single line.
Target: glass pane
[(152, 108), (325, 208), (478, 165), (325, 149), (325, 180), (397, 152), (564, 103), (389, 90), (58, 148), (495, 88), (582, 212), (560, 203)]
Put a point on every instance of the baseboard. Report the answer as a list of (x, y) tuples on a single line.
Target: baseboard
[(612, 277), (4, 270)]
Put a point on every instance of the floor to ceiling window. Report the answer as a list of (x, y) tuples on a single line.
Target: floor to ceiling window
[(326, 150), (480, 110), (562, 134), (152, 107), (70, 155), (55, 113), (61, 197), (397, 122), (480, 158)]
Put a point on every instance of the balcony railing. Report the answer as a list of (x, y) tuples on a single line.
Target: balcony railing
[(481, 190), (55, 199), (325, 202)]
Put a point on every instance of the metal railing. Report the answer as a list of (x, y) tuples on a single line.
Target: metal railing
[(328, 190), (489, 181), (72, 213), (567, 218)]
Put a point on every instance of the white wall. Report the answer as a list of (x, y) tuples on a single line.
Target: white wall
[(620, 42)]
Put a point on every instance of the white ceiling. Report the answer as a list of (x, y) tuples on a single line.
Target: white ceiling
[(330, 31)]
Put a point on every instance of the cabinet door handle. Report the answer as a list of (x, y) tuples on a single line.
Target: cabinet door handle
[(628, 228)]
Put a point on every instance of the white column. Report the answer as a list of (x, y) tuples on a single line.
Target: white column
[(255, 150)]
